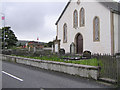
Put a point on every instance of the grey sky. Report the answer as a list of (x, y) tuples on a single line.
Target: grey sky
[(30, 20)]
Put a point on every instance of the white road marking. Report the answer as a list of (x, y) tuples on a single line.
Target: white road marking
[(12, 76)]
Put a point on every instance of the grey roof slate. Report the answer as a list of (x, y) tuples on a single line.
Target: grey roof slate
[(113, 6)]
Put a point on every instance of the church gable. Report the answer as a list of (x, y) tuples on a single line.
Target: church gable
[(87, 25), (112, 6), (63, 12)]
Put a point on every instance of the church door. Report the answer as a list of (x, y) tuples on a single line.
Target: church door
[(79, 44)]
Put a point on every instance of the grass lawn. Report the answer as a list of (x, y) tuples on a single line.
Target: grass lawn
[(91, 62)]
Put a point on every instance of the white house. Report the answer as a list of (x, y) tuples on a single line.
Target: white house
[(92, 26)]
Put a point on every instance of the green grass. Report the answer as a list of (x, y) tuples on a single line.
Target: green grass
[(91, 62)]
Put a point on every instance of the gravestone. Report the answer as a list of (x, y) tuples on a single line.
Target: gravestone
[(62, 51), (56, 48), (72, 48), (56, 45), (87, 54), (34, 49), (29, 49), (52, 48)]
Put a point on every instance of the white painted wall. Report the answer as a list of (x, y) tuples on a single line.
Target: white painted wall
[(92, 9), (117, 32)]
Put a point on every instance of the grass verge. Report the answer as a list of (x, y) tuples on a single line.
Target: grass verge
[(91, 62)]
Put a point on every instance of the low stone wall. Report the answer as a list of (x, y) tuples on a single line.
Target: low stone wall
[(73, 69)]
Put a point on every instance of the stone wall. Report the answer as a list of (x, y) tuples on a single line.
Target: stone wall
[(72, 69)]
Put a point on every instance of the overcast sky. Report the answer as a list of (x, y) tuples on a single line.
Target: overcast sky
[(30, 20)]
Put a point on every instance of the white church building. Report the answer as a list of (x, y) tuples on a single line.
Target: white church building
[(89, 26)]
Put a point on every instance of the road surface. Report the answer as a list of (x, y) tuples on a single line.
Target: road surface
[(22, 76)]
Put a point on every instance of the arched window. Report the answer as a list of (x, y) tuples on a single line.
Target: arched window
[(82, 17), (96, 29), (65, 33), (75, 19)]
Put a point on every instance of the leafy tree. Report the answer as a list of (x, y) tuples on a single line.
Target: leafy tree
[(49, 44), (10, 38), (45, 45)]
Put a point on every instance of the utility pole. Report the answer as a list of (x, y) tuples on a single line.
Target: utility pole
[(3, 18)]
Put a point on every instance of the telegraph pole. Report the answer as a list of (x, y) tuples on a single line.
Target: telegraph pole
[(3, 18)]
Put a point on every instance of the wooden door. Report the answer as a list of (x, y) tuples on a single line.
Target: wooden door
[(79, 44)]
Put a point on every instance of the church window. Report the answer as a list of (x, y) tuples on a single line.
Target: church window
[(82, 17), (65, 33), (96, 27), (75, 19)]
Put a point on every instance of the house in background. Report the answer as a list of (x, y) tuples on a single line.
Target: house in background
[(33, 44), (89, 26)]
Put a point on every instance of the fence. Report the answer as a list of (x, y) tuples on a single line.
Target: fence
[(118, 70), (110, 67)]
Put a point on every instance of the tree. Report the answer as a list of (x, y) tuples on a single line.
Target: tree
[(8, 37), (49, 44), (20, 45)]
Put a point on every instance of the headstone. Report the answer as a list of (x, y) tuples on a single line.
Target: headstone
[(72, 48), (29, 49), (62, 51), (34, 49), (52, 48), (87, 54), (56, 48)]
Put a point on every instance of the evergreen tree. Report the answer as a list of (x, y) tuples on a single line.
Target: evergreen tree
[(8, 37)]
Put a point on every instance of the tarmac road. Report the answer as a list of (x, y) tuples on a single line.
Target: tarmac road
[(22, 76)]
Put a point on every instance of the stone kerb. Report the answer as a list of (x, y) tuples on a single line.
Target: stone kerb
[(73, 69)]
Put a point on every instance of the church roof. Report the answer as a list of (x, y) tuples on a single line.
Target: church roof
[(113, 6)]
